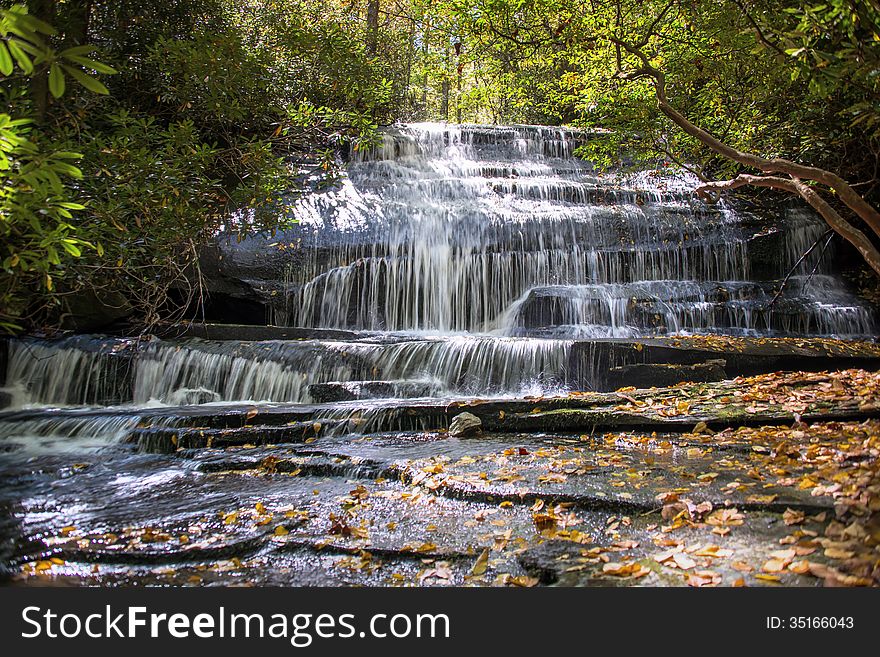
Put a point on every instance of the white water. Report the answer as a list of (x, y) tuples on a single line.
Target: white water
[(488, 250), (448, 229), (197, 371)]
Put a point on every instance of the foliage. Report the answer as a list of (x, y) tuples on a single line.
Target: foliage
[(213, 101), (36, 220), (779, 78), (227, 95)]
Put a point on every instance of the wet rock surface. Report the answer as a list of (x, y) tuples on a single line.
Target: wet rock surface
[(352, 390), (665, 374), (784, 503)]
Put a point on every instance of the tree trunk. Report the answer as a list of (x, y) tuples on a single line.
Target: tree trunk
[(444, 89), (408, 95), (459, 75), (76, 27), (45, 11), (372, 26), (426, 82)]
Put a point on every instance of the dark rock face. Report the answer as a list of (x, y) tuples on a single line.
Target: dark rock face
[(334, 391), (465, 424), (547, 560), (91, 311), (659, 375)]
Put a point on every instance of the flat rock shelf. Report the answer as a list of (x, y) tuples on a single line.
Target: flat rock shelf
[(760, 481)]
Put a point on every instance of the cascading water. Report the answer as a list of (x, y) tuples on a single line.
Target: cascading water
[(448, 229), (469, 259), (199, 371)]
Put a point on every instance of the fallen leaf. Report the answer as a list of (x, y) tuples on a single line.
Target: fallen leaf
[(481, 563), (792, 517)]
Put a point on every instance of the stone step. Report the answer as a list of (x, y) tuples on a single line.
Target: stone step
[(334, 391), (677, 409)]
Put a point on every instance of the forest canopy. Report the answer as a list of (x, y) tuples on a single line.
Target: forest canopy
[(132, 132)]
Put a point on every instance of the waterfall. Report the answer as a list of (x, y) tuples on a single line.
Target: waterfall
[(201, 371), (447, 228), (475, 257), (64, 434)]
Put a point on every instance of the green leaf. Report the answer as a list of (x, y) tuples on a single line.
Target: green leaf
[(36, 24), (38, 50), (77, 51), (68, 169), (56, 81), (92, 64), (24, 62), (71, 248), (87, 81), (53, 179), (5, 60)]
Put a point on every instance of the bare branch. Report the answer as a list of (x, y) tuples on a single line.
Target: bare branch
[(711, 191), (827, 235)]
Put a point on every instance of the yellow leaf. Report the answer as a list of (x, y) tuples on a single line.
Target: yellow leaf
[(523, 580), (481, 563), (773, 566), (837, 553)]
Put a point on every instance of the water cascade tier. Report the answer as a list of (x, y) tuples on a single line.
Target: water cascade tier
[(469, 261), (501, 230)]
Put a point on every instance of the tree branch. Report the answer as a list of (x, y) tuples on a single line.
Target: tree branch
[(711, 192), (796, 172)]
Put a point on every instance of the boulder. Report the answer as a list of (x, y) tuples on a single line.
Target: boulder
[(465, 424), (193, 396)]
